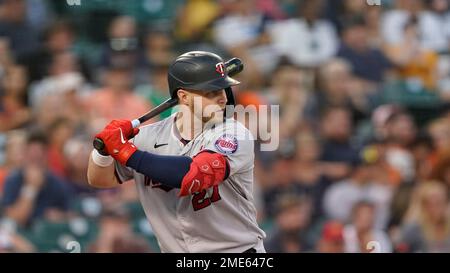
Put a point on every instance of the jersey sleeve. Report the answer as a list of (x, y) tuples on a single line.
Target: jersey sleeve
[(236, 143), (122, 173)]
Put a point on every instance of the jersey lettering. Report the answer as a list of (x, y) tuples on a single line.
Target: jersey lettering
[(200, 202)]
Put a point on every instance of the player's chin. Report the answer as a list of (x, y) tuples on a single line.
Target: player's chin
[(215, 117)]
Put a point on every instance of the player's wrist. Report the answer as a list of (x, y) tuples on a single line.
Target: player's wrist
[(101, 160), (126, 151)]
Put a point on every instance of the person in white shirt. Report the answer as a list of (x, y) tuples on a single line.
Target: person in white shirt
[(307, 40)]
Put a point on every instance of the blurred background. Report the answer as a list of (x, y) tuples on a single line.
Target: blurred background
[(364, 158)]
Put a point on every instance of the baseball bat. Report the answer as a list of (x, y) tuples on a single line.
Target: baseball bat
[(233, 67)]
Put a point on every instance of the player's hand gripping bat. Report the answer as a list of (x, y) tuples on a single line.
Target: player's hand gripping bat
[(233, 67)]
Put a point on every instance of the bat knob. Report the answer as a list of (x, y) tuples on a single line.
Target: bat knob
[(99, 146)]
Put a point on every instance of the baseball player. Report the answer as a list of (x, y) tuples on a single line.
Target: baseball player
[(195, 184)]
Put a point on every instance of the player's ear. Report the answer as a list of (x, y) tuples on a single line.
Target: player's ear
[(183, 97)]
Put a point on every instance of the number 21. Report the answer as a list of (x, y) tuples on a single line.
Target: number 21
[(199, 201)]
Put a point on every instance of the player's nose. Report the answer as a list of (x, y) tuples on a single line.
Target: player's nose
[(222, 98)]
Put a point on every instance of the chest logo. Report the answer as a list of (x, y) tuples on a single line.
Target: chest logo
[(156, 146)]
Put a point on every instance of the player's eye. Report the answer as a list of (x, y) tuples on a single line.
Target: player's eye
[(213, 94)]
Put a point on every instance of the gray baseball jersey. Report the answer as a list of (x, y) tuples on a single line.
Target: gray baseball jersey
[(219, 219)]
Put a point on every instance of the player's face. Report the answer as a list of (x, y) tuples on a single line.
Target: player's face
[(208, 105)]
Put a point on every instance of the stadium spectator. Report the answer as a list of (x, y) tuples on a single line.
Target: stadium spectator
[(337, 86), (439, 132), (342, 196), (33, 191), (422, 151), (115, 99), (338, 154), (401, 134), (432, 35), (280, 182), (362, 235), (441, 170), (441, 10), (292, 232), (250, 39), (59, 133), (14, 155), (194, 21), (22, 37), (75, 151), (6, 55), (11, 241), (58, 37), (309, 173), (156, 90), (426, 226), (332, 238), (416, 65), (289, 89), (116, 235), (14, 112), (158, 48), (370, 65), (122, 45), (307, 40), (379, 119)]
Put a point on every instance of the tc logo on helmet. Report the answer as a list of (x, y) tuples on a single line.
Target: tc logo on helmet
[(220, 68)]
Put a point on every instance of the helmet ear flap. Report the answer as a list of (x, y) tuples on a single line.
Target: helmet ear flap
[(230, 101), (230, 96)]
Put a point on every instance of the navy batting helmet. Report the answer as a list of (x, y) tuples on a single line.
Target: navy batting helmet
[(200, 71)]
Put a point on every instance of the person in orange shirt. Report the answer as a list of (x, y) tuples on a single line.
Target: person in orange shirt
[(115, 99), (415, 64)]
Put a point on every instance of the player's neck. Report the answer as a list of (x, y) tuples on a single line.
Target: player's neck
[(188, 125)]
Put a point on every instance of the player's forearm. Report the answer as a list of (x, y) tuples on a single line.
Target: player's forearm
[(205, 170), (167, 170), (101, 177)]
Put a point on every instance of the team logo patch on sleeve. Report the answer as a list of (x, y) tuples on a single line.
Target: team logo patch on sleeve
[(227, 144)]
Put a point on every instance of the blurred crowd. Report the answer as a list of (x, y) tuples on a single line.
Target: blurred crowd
[(363, 163)]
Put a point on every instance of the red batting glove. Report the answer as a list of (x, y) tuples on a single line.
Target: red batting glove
[(115, 136)]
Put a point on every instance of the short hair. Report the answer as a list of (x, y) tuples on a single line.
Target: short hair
[(59, 122), (327, 111), (290, 200), (58, 26), (394, 116), (353, 21), (362, 203), (285, 62), (330, 66), (37, 136)]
